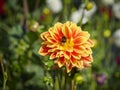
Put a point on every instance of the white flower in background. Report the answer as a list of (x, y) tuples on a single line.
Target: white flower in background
[(116, 10), (89, 13), (116, 37), (108, 2), (77, 15), (54, 5)]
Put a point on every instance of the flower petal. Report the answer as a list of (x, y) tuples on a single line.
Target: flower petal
[(91, 42), (75, 55), (88, 58), (44, 50), (44, 35), (80, 40), (84, 34), (53, 34), (60, 61), (80, 64), (53, 55), (67, 31), (86, 64), (69, 67), (73, 61), (67, 55)]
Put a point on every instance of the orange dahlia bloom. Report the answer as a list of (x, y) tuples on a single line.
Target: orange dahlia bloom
[(68, 44)]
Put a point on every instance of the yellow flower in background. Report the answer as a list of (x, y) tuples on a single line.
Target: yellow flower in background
[(78, 78), (89, 5), (107, 33), (46, 11), (68, 44)]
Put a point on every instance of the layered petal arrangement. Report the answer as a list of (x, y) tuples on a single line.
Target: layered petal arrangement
[(68, 45)]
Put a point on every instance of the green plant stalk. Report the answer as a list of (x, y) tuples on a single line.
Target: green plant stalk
[(4, 75), (54, 83), (73, 86), (83, 12), (59, 80), (65, 82), (82, 16)]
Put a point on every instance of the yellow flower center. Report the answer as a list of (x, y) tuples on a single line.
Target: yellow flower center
[(66, 44)]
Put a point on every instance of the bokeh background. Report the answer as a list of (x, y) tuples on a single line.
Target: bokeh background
[(22, 22)]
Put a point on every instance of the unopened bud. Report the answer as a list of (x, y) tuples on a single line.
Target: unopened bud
[(34, 26), (89, 6)]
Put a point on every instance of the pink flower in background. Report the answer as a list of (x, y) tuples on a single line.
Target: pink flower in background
[(118, 60), (2, 3), (100, 78), (106, 10)]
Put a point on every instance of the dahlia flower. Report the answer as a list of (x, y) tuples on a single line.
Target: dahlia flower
[(68, 45)]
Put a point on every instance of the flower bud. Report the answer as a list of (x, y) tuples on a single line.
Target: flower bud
[(33, 26), (46, 11), (89, 6), (78, 78), (107, 33)]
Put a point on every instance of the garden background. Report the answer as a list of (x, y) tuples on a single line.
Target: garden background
[(22, 22)]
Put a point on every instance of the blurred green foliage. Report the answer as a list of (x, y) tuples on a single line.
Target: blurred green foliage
[(19, 46)]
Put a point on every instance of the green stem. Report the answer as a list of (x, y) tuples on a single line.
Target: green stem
[(54, 83), (65, 82), (82, 16), (26, 12), (73, 86), (4, 75), (25, 8), (37, 4), (59, 80), (83, 12)]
